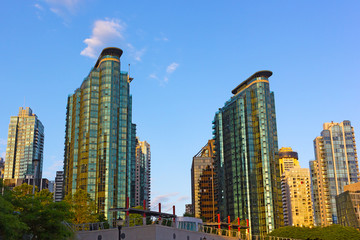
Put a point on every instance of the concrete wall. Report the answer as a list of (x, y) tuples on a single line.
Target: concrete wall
[(149, 232)]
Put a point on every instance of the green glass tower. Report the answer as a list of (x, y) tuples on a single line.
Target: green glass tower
[(100, 134), (247, 161)]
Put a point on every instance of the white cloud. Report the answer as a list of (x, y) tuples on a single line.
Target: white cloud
[(38, 6), (162, 38), (136, 54), (166, 79), (103, 32), (153, 76), (50, 172), (172, 67), (163, 199), (70, 5), (3, 142)]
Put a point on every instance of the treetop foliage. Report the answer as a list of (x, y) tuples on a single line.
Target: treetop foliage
[(333, 232)]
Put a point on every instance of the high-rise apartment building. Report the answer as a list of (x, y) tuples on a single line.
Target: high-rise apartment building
[(59, 186), (2, 167), (336, 165), (348, 206), (202, 183), (98, 141), (287, 159), (247, 159), (25, 148), (296, 191), (141, 181)]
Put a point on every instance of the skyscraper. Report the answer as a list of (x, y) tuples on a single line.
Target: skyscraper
[(2, 167), (202, 183), (298, 209), (25, 148), (59, 186), (141, 178), (99, 132), (348, 206), (335, 166), (247, 160), (287, 159)]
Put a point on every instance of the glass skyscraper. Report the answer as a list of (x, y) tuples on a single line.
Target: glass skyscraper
[(202, 183), (247, 160), (25, 144), (335, 166), (100, 135), (141, 178)]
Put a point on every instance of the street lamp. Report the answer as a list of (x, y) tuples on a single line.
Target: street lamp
[(119, 223), (35, 163)]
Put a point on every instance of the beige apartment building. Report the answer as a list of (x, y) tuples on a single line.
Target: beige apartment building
[(334, 167), (287, 159), (296, 192)]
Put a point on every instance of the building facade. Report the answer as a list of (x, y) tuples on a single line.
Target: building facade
[(99, 135), (25, 148), (348, 206), (296, 192), (287, 159), (202, 183), (247, 160), (335, 166), (142, 174), (59, 186), (2, 167)]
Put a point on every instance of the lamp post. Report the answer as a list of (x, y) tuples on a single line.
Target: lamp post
[(35, 163), (119, 223)]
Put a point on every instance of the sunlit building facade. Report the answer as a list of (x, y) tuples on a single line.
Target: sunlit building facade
[(348, 206), (336, 165), (24, 145), (296, 192), (142, 174), (2, 167), (99, 135), (287, 159), (202, 183), (247, 160)]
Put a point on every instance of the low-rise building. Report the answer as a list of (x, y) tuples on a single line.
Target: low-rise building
[(348, 206)]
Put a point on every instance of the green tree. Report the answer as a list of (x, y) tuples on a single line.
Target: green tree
[(10, 225), (333, 232), (43, 217), (82, 207), (136, 219)]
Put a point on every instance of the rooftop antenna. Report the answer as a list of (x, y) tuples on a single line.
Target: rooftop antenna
[(24, 102), (129, 78)]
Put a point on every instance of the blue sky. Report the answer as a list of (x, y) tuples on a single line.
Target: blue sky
[(186, 57)]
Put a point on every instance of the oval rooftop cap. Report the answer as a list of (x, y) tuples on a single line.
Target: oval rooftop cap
[(262, 73), (109, 51)]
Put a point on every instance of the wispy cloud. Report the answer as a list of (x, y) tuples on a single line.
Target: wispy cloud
[(136, 54), (38, 6), (183, 198), (103, 32), (162, 38), (163, 199), (172, 67), (3, 142), (153, 76), (69, 5), (56, 165)]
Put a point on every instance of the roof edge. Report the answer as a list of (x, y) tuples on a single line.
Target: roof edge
[(109, 51), (262, 73)]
